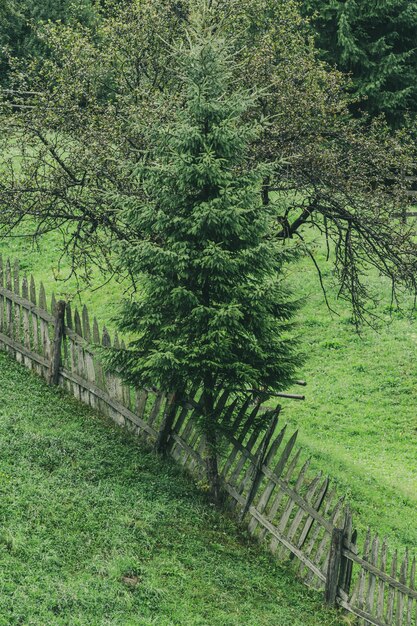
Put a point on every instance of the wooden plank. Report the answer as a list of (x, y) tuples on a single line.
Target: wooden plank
[(2, 307), (69, 322), (333, 570), (77, 323), (261, 459), (53, 305), (400, 596), (412, 586), (350, 536), (363, 574), (26, 321), (381, 583), (33, 315), (86, 325), (126, 389), (9, 299), (280, 493), (140, 405), (309, 520), (311, 493), (270, 486), (391, 592), (44, 329), (32, 290), (16, 291), (156, 408), (372, 578), (245, 429), (58, 336), (96, 332)]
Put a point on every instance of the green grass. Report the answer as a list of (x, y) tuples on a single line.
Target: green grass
[(359, 418), (96, 530)]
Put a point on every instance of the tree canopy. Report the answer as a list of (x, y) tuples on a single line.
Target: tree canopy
[(77, 139)]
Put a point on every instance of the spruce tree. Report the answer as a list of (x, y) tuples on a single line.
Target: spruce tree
[(210, 309)]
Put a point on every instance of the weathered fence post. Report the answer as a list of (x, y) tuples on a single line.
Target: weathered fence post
[(334, 566), (58, 336)]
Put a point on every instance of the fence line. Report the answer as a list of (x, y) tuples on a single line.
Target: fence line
[(269, 483)]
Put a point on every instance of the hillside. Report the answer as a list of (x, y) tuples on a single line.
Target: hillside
[(97, 530), (358, 421)]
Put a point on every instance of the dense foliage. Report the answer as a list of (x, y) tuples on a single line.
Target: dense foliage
[(376, 42), (20, 19)]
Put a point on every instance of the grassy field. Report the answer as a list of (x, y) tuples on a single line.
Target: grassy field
[(359, 418), (96, 530)]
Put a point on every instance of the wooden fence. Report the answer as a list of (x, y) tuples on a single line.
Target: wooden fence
[(269, 483)]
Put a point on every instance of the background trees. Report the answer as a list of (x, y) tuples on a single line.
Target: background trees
[(375, 41), (19, 20)]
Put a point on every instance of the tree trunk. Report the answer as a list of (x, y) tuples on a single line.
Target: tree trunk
[(161, 444), (265, 191), (212, 469)]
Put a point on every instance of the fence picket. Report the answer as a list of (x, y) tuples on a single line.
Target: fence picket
[(26, 322), (371, 578), (279, 495), (2, 308), (391, 592), (400, 595), (9, 318), (270, 486), (17, 315), (381, 583), (412, 586)]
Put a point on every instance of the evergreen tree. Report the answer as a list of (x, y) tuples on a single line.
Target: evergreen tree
[(376, 42), (211, 310)]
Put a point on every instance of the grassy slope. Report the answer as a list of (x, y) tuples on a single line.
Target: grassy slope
[(83, 505), (359, 419)]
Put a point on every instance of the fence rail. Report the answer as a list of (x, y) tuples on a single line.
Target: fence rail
[(268, 480)]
